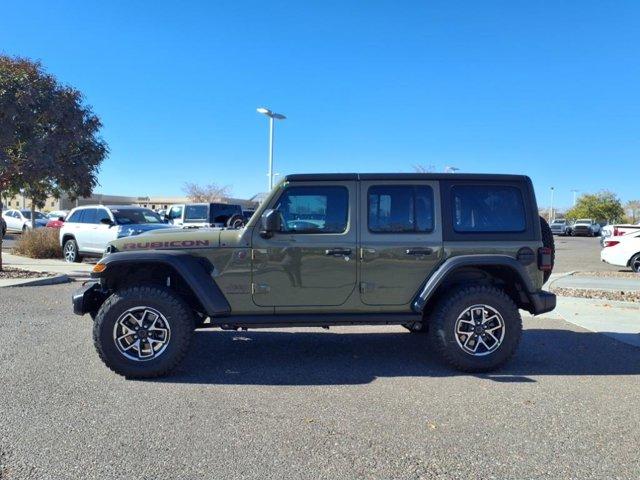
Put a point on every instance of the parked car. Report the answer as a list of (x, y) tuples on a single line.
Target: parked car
[(247, 214), (56, 214), (3, 227), (55, 222), (206, 215), (623, 250), (452, 256), (20, 220), (586, 227), (561, 226), (88, 229), (614, 230)]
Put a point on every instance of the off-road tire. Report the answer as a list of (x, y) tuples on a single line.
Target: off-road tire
[(443, 320), (172, 306), (548, 241), (235, 221), (71, 243)]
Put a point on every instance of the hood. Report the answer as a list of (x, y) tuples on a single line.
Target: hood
[(138, 228), (171, 238)]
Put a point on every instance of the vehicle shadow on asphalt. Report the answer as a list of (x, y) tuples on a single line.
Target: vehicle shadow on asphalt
[(326, 358)]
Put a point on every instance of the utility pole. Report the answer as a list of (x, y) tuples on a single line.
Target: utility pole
[(551, 206)]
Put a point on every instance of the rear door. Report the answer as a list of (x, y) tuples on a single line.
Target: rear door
[(312, 260), (401, 239)]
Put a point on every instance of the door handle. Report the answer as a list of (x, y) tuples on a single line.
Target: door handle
[(338, 252), (419, 251)]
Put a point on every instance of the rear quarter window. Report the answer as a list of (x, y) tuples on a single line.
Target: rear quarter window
[(487, 209)]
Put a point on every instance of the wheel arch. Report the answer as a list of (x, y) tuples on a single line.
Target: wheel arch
[(190, 276), (498, 270)]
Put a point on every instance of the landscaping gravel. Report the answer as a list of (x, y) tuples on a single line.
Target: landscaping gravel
[(12, 273)]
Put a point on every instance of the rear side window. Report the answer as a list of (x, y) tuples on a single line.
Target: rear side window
[(89, 215), (400, 209), (75, 217), (487, 209), (314, 209), (221, 213)]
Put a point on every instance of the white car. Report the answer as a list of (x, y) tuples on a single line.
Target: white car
[(87, 230), (623, 250), (56, 214), (20, 220)]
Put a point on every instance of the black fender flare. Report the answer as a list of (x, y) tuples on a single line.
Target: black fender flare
[(195, 271), (540, 301)]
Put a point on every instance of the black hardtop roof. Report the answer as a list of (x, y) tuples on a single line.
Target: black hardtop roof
[(312, 177)]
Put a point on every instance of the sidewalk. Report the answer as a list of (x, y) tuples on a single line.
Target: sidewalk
[(619, 320), (74, 271)]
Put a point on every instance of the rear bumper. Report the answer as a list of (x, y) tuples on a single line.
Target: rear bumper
[(542, 302), (88, 298)]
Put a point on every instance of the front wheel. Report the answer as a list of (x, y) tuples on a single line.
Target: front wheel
[(634, 263), (143, 332), (71, 252), (476, 328)]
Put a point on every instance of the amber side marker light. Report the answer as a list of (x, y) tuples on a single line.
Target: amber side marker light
[(99, 268)]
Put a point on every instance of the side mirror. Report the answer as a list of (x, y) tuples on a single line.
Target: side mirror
[(270, 223), (107, 221)]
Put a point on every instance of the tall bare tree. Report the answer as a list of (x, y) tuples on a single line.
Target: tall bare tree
[(211, 192)]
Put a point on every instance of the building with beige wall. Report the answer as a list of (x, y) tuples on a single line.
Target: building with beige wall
[(152, 202)]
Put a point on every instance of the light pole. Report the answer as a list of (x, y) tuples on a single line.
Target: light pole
[(272, 116), (551, 206), (574, 196)]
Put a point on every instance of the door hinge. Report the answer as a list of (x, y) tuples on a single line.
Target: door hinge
[(258, 288)]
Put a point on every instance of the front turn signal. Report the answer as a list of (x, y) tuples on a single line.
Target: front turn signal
[(99, 268)]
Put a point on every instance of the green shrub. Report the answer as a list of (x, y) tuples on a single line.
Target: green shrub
[(39, 243)]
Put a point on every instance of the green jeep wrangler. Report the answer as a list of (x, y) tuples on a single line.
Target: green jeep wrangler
[(453, 256)]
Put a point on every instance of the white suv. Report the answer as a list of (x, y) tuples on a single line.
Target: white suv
[(87, 230)]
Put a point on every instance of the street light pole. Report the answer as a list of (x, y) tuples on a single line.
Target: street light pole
[(574, 196), (272, 117), (551, 206)]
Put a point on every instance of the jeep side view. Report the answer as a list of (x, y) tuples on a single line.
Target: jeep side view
[(192, 215), (452, 256)]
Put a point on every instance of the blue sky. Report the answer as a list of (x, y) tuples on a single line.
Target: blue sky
[(550, 89)]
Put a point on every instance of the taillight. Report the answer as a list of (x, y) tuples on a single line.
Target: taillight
[(545, 258), (610, 243)]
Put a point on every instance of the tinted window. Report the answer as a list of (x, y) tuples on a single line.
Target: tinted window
[(131, 216), (102, 213), (314, 209), (487, 208), (400, 208), (220, 212), (75, 216), (89, 215)]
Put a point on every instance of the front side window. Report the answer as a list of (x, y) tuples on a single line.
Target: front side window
[(400, 209), (314, 209), (487, 209)]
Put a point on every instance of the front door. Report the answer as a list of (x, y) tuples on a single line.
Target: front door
[(401, 239), (312, 260)]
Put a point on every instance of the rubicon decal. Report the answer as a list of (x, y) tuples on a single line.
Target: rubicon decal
[(171, 244)]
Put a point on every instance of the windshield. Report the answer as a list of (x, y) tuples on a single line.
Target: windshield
[(27, 214), (196, 213), (131, 216)]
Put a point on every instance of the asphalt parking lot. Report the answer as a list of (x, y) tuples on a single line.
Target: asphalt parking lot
[(366, 402), (580, 254)]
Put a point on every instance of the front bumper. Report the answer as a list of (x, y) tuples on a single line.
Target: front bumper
[(88, 298), (542, 302)]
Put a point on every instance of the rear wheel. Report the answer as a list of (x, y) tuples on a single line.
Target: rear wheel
[(548, 242), (235, 221), (143, 332), (635, 263), (476, 328)]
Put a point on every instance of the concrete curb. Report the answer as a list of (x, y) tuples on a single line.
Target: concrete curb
[(551, 281), (36, 282)]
